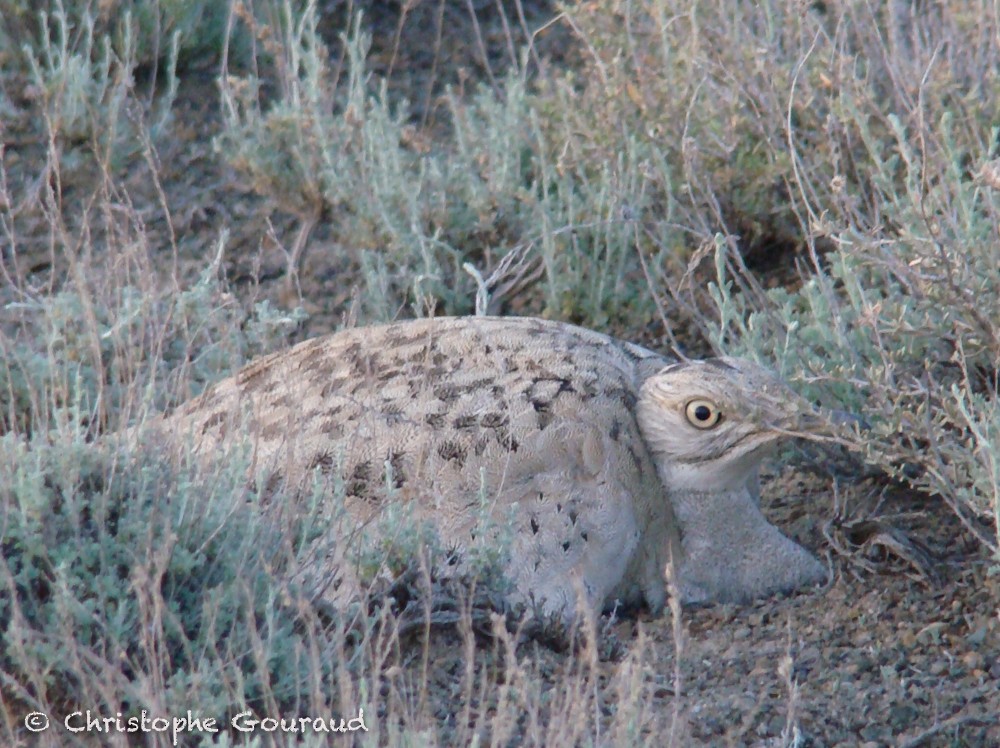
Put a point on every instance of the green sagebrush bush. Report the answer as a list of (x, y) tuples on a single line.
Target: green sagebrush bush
[(139, 586), (102, 353), (413, 207), (82, 70)]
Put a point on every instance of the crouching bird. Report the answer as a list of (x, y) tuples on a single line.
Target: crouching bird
[(599, 461)]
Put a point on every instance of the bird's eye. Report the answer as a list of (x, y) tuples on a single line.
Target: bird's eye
[(703, 414)]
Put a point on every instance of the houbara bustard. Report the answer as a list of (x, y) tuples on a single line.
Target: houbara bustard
[(608, 459)]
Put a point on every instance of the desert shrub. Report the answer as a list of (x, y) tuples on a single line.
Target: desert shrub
[(88, 328), (411, 206), (195, 28), (102, 352), (95, 69), (83, 77), (152, 29), (132, 582)]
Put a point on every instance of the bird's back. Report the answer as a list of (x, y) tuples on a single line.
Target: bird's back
[(428, 400), (449, 415)]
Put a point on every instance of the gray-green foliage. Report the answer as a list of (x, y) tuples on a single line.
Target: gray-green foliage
[(343, 148), (412, 207), (77, 360), (131, 582), (153, 30), (83, 71), (94, 66)]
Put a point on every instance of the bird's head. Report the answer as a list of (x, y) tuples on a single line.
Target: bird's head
[(710, 423)]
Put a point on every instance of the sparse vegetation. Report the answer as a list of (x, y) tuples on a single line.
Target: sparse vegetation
[(815, 185)]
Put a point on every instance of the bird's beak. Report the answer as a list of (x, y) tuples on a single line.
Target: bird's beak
[(825, 425)]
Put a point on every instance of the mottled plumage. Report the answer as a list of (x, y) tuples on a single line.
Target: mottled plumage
[(593, 445)]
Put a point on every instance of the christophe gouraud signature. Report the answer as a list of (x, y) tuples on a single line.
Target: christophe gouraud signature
[(89, 721)]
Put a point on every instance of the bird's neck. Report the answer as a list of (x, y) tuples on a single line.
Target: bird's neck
[(731, 552), (726, 515), (722, 477)]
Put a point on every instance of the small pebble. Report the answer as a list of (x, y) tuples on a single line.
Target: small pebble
[(973, 660)]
